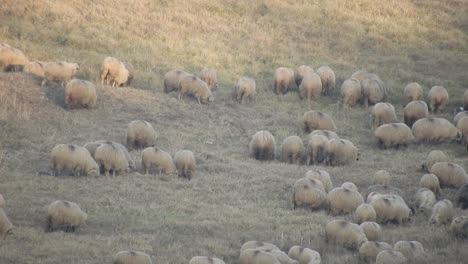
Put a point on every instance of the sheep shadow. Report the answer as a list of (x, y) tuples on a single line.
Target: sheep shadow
[(55, 93)]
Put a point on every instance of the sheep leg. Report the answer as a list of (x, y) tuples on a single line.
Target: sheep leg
[(199, 100), (113, 173), (106, 172), (43, 82)]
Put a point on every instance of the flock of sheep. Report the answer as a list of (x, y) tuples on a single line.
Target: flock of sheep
[(383, 203)]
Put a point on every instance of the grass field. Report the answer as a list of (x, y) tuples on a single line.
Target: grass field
[(232, 198)]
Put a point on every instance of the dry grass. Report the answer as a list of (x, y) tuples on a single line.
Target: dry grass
[(231, 198)]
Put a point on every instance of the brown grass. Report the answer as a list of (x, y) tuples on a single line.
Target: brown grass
[(232, 198)]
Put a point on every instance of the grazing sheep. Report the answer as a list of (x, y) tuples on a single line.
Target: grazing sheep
[(362, 75), (414, 111), (304, 255), (302, 71), (372, 91), (346, 234), (434, 130), (438, 98), (459, 226), (12, 59), (2, 201), (382, 177), (383, 113), (141, 134), (282, 257), (292, 150), (449, 174), (4, 45), (205, 260), (258, 245), (390, 208), (154, 156), (262, 146), (461, 197), (343, 200), (431, 182), (364, 213), (327, 75), (370, 249), (114, 71), (322, 176), (390, 257), (110, 157), (425, 200), (73, 157), (308, 194), (413, 92), (341, 152), (93, 146), (283, 79), (80, 93), (327, 133), (349, 185), (59, 71), (172, 80), (197, 88), (385, 191), (35, 67), (372, 230), (184, 161), (442, 212), (245, 89), (64, 215), (310, 87), (309, 182), (351, 92), (409, 249), (6, 227), (132, 257), (393, 135), (209, 76), (432, 158), (316, 149), (257, 256), (131, 73), (318, 120), (462, 126), (459, 116)]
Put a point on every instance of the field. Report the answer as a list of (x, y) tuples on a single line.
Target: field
[(232, 198)]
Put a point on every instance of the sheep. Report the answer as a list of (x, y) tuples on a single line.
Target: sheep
[(362, 75), (413, 92), (310, 87), (2, 201), (309, 194), (364, 213), (140, 134), (390, 208), (131, 257), (462, 126), (459, 116), (292, 150), (341, 152), (92, 150), (262, 146), (384, 191), (465, 100), (316, 149), (310, 182), (64, 215), (431, 182), (370, 249), (282, 257), (110, 157), (449, 174), (393, 135), (185, 164), (425, 200), (73, 157), (304, 255), (346, 234), (382, 177), (390, 257), (302, 71), (256, 256), (4, 45), (6, 227), (349, 185), (438, 98), (327, 133), (209, 76), (35, 67), (432, 158), (318, 120), (322, 176), (159, 158), (205, 260), (434, 130), (283, 78), (383, 113), (131, 73), (59, 71), (12, 59), (372, 91), (172, 80), (245, 89), (351, 92), (327, 75), (80, 93), (114, 71), (442, 212), (253, 244), (197, 88), (461, 197), (410, 249), (372, 230), (343, 200), (459, 226), (414, 111)]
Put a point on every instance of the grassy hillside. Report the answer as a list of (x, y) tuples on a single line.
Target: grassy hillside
[(232, 198)]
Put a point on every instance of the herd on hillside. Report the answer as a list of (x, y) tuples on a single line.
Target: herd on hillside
[(383, 204)]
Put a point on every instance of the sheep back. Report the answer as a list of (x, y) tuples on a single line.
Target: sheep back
[(205, 260), (194, 86), (351, 92), (184, 161), (141, 134), (442, 212), (327, 76), (262, 146), (310, 87), (413, 92), (172, 80), (370, 249), (438, 98), (292, 150), (304, 255), (283, 79), (66, 156), (343, 200), (80, 93), (318, 120), (414, 111), (372, 230), (59, 71), (131, 257), (35, 67), (434, 130), (110, 157), (64, 215), (383, 113), (154, 156), (245, 89), (346, 234), (209, 76), (393, 135), (6, 226), (449, 174)]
